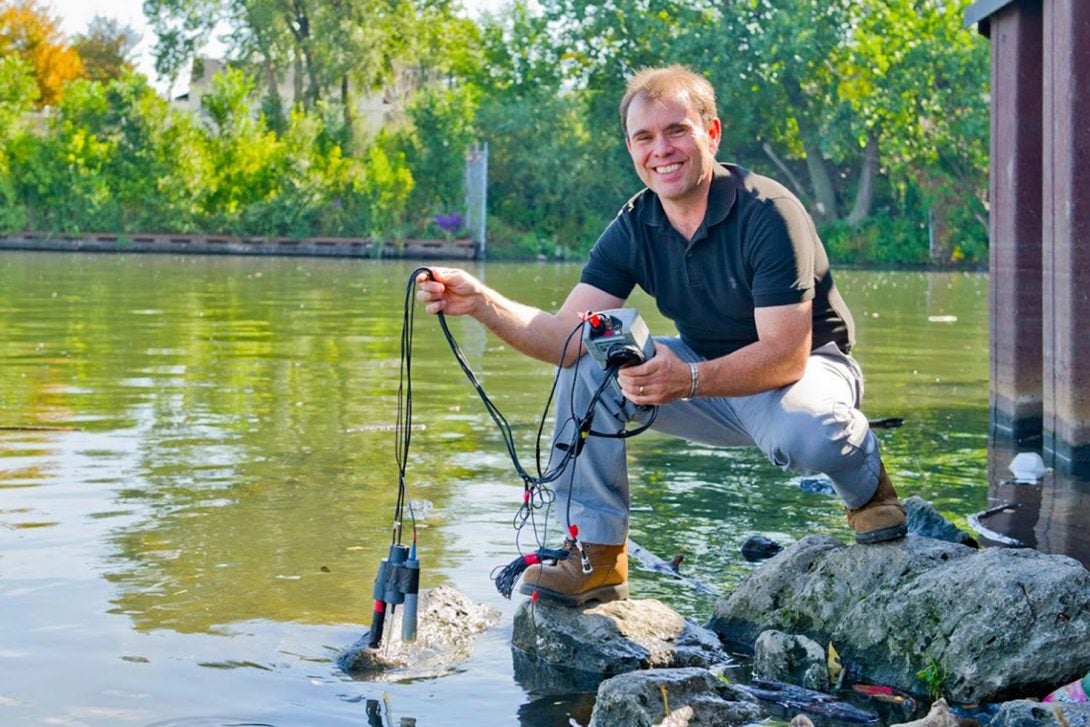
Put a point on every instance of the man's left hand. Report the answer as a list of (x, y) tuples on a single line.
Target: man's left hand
[(662, 379)]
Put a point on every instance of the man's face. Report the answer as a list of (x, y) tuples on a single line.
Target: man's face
[(672, 150)]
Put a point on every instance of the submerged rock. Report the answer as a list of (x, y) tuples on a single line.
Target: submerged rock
[(920, 614), (447, 625), (759, 547), (924, 520)]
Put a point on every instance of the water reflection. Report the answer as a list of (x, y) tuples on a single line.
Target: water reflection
[(209, 526), (1048, 515)]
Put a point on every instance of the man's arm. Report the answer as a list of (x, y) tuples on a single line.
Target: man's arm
[(527, 329), (777, 358)]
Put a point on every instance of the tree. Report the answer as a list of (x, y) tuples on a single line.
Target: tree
[(917, 82), (335, 50), (18, 94), (28, 30), (106, 48), (115, 158)]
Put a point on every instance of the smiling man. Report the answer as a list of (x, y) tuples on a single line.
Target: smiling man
[(763, 352)]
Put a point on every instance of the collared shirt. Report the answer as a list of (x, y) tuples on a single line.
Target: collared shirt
[(756, 247)]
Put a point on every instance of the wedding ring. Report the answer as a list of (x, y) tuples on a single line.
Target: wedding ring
[(641, 390)]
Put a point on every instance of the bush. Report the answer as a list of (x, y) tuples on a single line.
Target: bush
[(878, 240)]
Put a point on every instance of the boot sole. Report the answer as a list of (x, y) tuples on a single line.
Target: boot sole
[(602, 594), (882, 535)]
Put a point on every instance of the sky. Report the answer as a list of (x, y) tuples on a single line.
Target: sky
[(75, 15)]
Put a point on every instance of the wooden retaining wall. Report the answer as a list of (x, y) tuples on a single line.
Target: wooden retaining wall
[(353, 247)]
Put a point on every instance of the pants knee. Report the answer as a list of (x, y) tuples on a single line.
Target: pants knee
[(830, 444)]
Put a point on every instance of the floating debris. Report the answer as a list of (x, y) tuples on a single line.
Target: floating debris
[(1028, 467), (976, 522)]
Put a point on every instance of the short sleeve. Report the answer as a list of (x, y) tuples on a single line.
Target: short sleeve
[(609, 266), (781, 246)]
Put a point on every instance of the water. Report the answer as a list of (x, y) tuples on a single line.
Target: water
[(197, 479)]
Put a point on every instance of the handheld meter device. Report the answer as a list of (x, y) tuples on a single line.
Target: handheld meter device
[(618, 337)]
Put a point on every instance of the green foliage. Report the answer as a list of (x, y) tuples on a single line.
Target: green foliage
[(805, 88), (385, 189), (435, 149), (933, 677), (18, 94), (878, 241)]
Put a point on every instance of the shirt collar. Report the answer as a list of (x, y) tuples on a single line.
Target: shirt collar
[(721, 198)]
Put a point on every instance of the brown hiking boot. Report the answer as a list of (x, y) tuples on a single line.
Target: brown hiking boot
[(565, 582), (882, 518)]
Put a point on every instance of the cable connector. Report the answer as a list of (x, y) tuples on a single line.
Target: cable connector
[(573, 540)]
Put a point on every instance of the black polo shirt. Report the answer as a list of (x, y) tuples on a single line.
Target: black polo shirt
[(757, 247)]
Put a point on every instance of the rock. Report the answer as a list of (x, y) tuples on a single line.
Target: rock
[(938, 716), (817, 484), (691, 697), (447, 624), (924, 520), (1026, 713), (759, 547), (793, 659), (920, 614), (607, 639)]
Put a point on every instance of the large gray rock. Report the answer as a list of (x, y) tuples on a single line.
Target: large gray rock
[(692, 697), (920, 614), (448, 623), (613, 638)]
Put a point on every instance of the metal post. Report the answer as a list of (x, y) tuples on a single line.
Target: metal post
[(477, 196)]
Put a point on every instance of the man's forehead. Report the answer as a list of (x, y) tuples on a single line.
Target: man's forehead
[(676, 107)]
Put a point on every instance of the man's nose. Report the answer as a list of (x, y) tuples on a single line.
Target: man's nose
[(661, 145)]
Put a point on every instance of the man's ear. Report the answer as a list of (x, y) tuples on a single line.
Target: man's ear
[(715, 132)]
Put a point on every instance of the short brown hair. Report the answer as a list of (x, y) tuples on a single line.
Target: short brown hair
[(656, 83)]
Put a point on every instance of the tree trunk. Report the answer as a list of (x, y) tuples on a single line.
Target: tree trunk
[(868, 171), (824, 207), (800, 190), (296, 78), (346, 110), (822, 182)]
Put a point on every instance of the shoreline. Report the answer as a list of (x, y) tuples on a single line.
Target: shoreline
[(344, 247)]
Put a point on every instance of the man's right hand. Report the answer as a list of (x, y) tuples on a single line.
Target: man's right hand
[(451, 291)]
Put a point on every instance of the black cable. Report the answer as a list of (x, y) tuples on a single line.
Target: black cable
[(502, 423), (537, 495), (403, 427)]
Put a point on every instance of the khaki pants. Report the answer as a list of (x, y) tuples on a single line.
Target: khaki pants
[(811, 426)]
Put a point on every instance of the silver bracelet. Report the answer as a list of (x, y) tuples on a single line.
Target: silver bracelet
[(694, 382)]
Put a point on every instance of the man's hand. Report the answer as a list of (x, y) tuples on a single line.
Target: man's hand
[(449, 290), (663, 379)]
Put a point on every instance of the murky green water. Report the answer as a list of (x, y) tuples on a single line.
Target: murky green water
[(190, 526)]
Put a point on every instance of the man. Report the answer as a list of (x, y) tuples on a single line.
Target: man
[(762, 357)]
